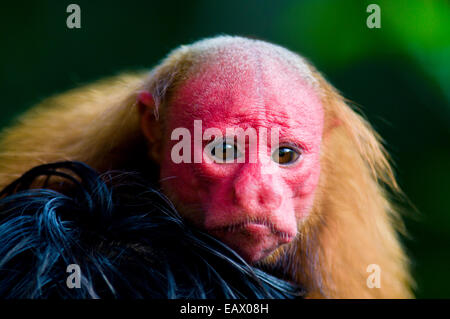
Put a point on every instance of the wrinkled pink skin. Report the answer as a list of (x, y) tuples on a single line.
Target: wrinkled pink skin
[(250, 92)]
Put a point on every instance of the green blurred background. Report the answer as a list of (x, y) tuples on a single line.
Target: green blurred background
[(399, 75)]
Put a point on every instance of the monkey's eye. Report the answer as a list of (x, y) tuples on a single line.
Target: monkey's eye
[(285, 155), (224, 151)]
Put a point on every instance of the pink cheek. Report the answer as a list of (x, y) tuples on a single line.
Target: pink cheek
[(193, 183), (179, 179), (220, 204), (303, 184), (218, 179)]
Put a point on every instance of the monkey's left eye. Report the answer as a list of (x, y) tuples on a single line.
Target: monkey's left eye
[(224, 151), (285, 155)]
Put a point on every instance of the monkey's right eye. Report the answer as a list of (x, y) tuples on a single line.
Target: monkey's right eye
[(223, 151), (285, 155)]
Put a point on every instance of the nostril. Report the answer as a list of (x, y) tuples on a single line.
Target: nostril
[(269, 199), (234, 196)]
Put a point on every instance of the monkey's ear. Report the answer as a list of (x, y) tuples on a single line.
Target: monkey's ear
[(330, 125), (150, 125)]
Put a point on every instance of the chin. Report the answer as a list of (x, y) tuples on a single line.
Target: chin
[(252, 242)]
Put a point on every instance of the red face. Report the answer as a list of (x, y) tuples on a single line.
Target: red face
[(252, 205)]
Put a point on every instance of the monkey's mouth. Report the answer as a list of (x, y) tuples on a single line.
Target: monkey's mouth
[(252, 239), (256, 225)]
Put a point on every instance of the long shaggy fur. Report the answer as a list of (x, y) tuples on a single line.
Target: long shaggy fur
[(127, 238), (353, 224)]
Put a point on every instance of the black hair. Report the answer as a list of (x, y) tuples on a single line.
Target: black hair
[(126, 237)]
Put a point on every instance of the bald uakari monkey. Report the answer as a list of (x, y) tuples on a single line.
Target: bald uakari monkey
[(311, 206)]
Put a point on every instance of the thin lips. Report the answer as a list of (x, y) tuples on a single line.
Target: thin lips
[(261, 221)]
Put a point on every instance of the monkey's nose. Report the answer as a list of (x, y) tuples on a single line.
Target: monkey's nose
[(268, 199), (255, 191), (254, 196)]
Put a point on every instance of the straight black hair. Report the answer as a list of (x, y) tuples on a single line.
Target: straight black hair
[(125, 236)]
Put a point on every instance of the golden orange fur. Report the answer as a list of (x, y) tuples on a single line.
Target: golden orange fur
[(352, 224)]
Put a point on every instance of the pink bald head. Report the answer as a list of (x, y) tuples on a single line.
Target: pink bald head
[(253, 207)]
